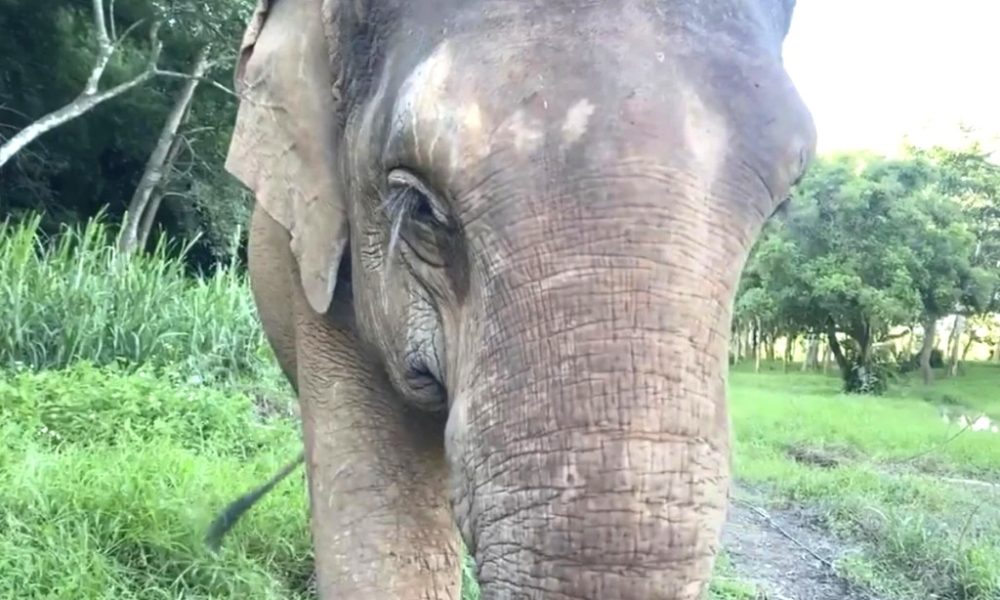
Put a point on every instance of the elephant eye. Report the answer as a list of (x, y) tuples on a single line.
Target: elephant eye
[(409, 195), (418, 218)]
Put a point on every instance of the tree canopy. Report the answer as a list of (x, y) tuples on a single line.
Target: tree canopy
[(870, 243)]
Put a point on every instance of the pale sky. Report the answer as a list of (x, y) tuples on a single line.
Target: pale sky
[(874, 70)]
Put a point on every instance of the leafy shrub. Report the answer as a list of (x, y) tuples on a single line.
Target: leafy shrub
[(109, 406), (872, 378), (109, 478), (75, 297), (95, 522), (871, 375)]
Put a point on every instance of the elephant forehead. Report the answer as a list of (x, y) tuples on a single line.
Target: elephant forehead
[(434, 109), (445, 104)]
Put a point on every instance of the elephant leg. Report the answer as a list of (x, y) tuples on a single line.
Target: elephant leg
[(381, 522)]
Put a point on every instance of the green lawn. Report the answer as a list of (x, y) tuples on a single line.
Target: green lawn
[(108, 480), (882, 471)]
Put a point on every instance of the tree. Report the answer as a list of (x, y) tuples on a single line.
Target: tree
[(868, 243), (972, 181), (94, 163), (143, 206)]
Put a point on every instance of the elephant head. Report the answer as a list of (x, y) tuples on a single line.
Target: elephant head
[(496, 246)]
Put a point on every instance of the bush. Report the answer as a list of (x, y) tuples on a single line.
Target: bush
[(109, 479), (86, 405), (75, 297)]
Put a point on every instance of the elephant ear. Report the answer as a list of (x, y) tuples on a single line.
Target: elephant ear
[(283, 143)]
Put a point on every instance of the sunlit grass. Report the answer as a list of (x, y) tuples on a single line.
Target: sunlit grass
[(883, 471), (108, 482)]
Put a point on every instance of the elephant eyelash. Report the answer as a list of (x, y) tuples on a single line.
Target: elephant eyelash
[(413, 222), (409, 201), (399, 207), (411, 197), (397, 211)]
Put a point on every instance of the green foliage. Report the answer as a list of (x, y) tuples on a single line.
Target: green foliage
[(121, 513), (972, 177), (868, 243), (108, 481), (76, 298), (884, 482), (872, 377), (109, 406)]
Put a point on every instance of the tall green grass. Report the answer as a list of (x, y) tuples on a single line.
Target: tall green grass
[(109, 480), (75, 297)]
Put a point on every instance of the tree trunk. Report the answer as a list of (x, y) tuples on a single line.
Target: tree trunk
[(926, 347), (956, 343), (91, 96), (756, 348), (968, 346), (827, 354), (865, 342), (149, 216), (789, 352), (836, 350), (128, 241), (769, 347), (735, 345), (996, 352), (812, 353)]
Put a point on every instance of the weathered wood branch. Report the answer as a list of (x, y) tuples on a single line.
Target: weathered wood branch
[(158, 163), (92, 95)]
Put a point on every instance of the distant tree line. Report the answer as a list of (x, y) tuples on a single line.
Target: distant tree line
[(873, 249)]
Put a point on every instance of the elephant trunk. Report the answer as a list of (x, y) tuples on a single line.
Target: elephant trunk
[(593, 459)]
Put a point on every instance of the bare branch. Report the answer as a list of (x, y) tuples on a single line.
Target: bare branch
[(4, 107), (894, 336), (176, 195), (90, 96), (160, 160), (196, 130), (99, 23), (111, 19), (202, 79), (104, 51), (118, 42)]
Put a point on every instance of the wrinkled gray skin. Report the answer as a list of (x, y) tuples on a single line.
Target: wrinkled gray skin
[(495, 249)]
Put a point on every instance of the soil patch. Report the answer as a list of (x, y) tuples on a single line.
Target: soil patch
[(756, 538)]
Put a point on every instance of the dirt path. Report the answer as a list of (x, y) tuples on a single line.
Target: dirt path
[(783, 570)]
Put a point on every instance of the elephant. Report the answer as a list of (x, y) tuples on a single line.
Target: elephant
[(226, 519), (495, 246)]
